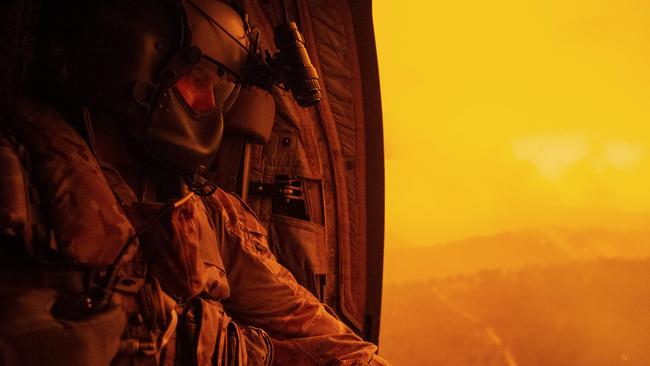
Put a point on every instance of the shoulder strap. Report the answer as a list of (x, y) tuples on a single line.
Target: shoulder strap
[(21, 215)]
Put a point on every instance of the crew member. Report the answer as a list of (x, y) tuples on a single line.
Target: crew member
[(117, 248)]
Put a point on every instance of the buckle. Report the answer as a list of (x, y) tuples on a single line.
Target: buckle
[(287, 187), (287, 193)]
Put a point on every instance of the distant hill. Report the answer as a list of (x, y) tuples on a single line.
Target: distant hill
[(513, 250), (594, 313)]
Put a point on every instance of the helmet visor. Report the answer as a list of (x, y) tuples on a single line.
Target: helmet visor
[(207, 87)]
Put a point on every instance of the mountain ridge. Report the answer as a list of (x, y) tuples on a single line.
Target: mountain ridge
[(513, 250), (578, 313)]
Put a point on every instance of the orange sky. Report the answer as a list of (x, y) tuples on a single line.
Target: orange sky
[(510, 114)]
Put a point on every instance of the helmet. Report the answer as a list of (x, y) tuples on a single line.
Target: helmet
[(168, 70)]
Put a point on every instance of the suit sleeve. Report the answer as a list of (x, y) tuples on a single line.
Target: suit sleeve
[(264, 294)]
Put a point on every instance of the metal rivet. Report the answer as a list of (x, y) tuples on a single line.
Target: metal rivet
[(136, 319)]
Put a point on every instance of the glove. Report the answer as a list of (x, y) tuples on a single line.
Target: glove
[(259, 349)]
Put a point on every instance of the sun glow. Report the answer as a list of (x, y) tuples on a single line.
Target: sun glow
[(554, 156)]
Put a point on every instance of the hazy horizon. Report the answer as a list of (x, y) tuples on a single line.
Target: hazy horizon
[(514, 250)]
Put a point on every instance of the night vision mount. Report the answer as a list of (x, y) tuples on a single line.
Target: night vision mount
[(289, 67)]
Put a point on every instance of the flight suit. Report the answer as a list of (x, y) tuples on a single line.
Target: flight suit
[(201, 288)]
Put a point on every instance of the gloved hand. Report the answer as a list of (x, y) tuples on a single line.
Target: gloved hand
[(259, 349), (30, 335)]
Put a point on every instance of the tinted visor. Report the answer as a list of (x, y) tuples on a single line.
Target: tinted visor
[(207, 87)]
